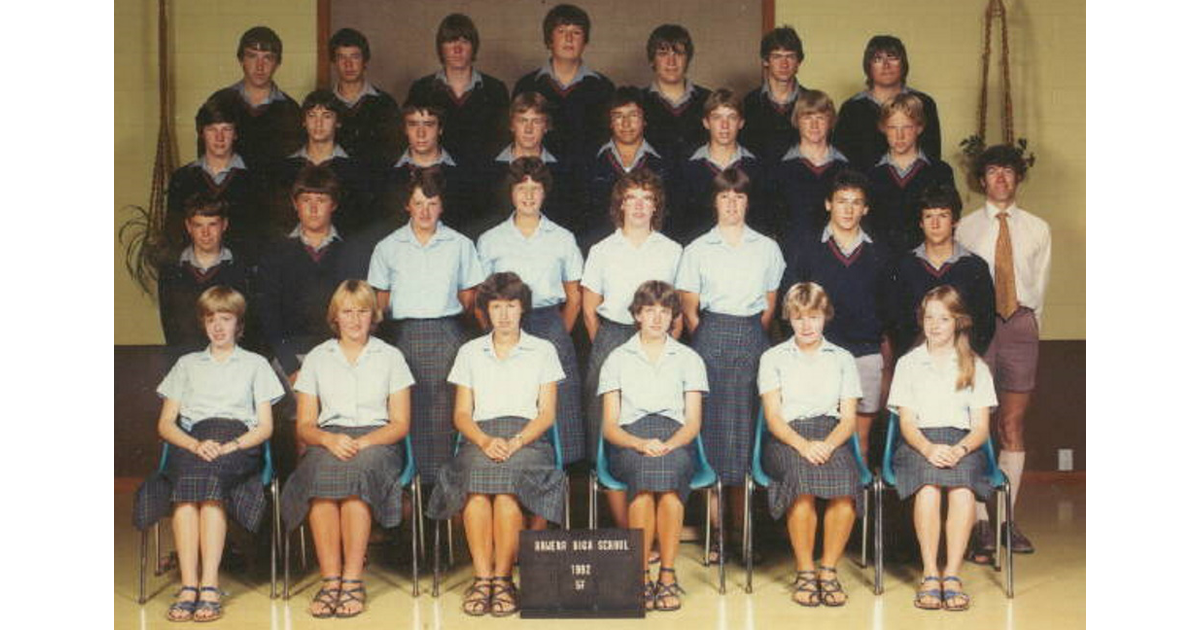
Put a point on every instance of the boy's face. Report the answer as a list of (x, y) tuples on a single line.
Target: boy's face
[(221, 328), (422, 130), (847, 207), (814, 128), (782, 64), (655, 320), (424, 211), (723, 125), (321, 124), (219, 139), (456, 54), (206, 232), (902, 133), (1000, 184), (258, 67), (349, 62), (567, 42), (627, 123), (528, 129), (315, 210), (670, 64), (885, 69), (938, 225)]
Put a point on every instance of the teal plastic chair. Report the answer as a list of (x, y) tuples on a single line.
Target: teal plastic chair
[(408, 477), (162, 565), (996, 478), (703, 477), (758, 477), (437, 532)]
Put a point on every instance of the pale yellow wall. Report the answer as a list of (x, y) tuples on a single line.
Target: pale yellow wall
[(204, 36), (944, 39)]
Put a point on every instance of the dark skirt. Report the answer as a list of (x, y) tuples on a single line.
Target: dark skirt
[(793, 476), (232, 479), (568, 416), (670, 473), (610, 335), (914, 471), (529, 474), (429, 347), (731, 347), (373, 476)]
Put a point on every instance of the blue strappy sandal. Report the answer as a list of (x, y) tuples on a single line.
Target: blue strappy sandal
[(947, 594), (212, 608), (934, 594), (186, 607)]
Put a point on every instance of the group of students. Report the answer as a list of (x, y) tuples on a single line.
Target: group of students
[(870, 269)]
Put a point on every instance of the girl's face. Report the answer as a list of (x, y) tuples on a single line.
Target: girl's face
[(354, 322), (809, 329), (221, 329), (425, 211), (638, 208), (938, 325), (654, 321), (505, 315), (527, 197), (731, 208)]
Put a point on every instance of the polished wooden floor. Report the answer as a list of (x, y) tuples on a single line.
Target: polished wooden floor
[(1050, 587)]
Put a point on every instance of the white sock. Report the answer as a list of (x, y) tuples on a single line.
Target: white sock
[(1013, 464), (981, 511)]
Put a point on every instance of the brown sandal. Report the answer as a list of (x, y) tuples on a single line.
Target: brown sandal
[(831, 588), (505, 600), (806, 584), (477, 601)]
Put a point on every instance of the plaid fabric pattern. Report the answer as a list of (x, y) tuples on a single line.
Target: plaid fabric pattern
[(914, 471), (610, 335), (373, 475), (529, 474), (670, 473), (568, 414), (731, 347), (232, 479), (429, 347), (792, 475)]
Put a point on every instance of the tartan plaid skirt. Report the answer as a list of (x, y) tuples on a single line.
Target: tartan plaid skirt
[(610, 335), (529, 474), (429, 347), (793, 476), (914, 471), (232, 479), (670, 473), (568, 415), (373, 476), (731, 347)]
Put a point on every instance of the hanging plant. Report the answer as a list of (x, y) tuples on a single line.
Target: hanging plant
[(973, 145)]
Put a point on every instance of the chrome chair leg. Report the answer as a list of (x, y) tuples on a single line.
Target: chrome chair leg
[(142, 568), (592, 500), (748, 534), (1008, 550), (287, 566), (274, 535), (419, 504), (878, 487), (708, 495), (720, 539), (160, 567), (567, 495), (866, 503), (449, 542), (416, 523), (437, 558)]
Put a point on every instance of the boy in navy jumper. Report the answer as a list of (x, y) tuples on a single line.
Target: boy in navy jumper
[(423, 128), (577, 94), (902, 174), (674, 105), (204, 263), (855, 270), (939, 260), (800, 181), (528, 121), (768, 110), (369, 125), (475, 103), (885, 64), (269, 128)]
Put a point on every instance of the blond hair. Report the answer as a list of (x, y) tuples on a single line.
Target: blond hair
[(953, 302), (806, 297), (222, 299), (356, 293)]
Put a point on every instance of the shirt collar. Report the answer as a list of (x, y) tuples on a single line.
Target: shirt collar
[(524, 344), (406, 234), (766, 90), (992, 211), (634, 346), (862, 236), (739, 153), (868, 95), (544, 225), (189, 256), (713, 236), (237, 355), (302, 152), (655, 237), (333, 235), (831, 155), (582, 73), (921, 356), (958, 252), (507, 156), (443, 158), (824, 348), (642, 150), (689, 89), (887, 160), (235, 162), (276, 94), (476, 78), (368, 90)]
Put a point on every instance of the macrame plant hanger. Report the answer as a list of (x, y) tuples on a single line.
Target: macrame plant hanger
[(996, 12)]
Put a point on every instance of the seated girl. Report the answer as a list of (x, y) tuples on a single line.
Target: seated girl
[(216, 412)]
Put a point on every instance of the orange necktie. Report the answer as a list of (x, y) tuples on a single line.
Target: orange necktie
[(1006, 278)]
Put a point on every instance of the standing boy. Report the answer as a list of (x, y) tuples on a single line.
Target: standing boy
[(368, 128), (768, 110)]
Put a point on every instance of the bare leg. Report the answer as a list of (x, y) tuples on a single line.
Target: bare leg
[(642, 516), (669, 521), (839, 520), (802, 530), (927, 513), (1011, 423), (619, 508), (356, 529), (185, 524), (325, 521), (477, 521), (506, 529), (538, 523), (960, 516), (212, 545)]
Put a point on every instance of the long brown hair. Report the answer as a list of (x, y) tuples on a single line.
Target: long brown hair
[(953, 302)]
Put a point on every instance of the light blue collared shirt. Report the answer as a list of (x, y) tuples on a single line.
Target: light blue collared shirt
[(443, 158), (689, 89), (354, 394), (276, 94), (643, 149), (509, 386), (928, 389), (902, 172), (476, 78), (582, 73), (858, 240), (424, 280), (830, 155), (544, 260), (302, 152), (219, 176), (508, 155), (809, 385), (332, 236), (731, 280), (791, 98), (868, 95), (369, 90), (232, 389), (958, 252), (615, 268), (740, 153), (188, 255), (652, 388)]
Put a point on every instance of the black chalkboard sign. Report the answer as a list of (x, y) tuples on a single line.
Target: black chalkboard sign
[(578, 574)]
